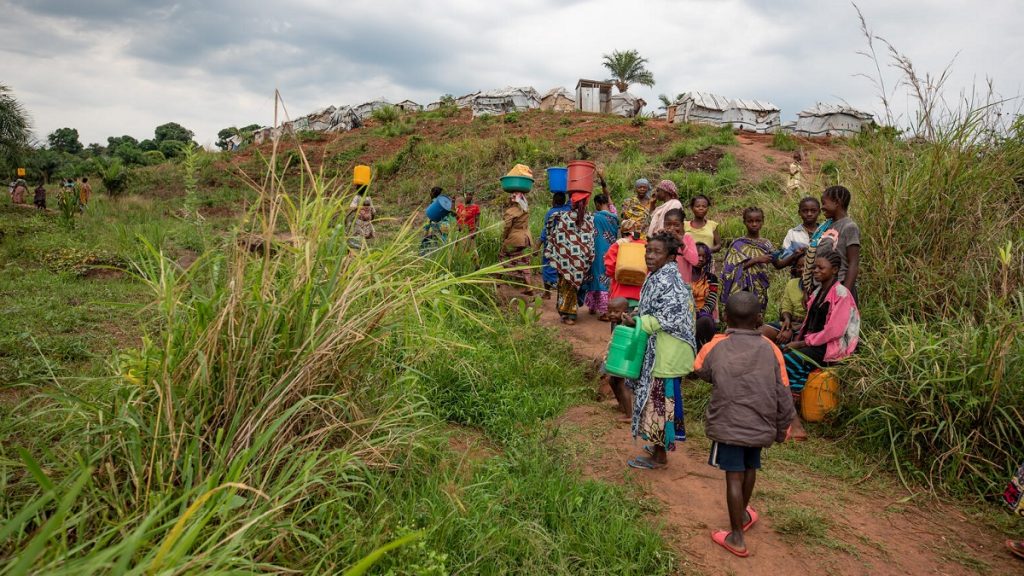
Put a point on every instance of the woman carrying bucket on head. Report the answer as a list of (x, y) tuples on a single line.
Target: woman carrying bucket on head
[(440, 221), (570, 245), (516, 240)]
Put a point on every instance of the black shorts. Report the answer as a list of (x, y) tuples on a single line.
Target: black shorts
[(734, 458)]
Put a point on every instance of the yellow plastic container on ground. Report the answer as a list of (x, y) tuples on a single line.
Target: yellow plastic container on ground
[(361, 175), (819, 396), (631, 268)]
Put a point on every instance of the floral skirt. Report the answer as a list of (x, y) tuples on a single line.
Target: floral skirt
[(516, 258), (568, 299), (597, 301), (662, 421)]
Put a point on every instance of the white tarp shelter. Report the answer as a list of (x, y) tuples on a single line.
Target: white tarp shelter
[(364, 111), (558, 100), (505, 100), (831, 120), (625, 104), (753, 116), (593, 95), (701, 108)]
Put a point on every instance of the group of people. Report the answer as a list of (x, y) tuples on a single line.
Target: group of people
[(680, 299), (79, 192)]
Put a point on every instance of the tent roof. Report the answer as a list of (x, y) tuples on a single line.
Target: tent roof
[(755, 105), (821, 109), (560, 91), (707, 100)]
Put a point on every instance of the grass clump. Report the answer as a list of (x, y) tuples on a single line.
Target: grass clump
[(784, 141)]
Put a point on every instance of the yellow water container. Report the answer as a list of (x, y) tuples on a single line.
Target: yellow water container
[(819, 396), (361, 175), (630, 267)]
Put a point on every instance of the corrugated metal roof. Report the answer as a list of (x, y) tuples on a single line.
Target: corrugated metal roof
[(707, 100), (755, 105), (821, 109)]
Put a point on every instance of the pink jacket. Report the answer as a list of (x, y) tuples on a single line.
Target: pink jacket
[(687, 258), (842, 325)]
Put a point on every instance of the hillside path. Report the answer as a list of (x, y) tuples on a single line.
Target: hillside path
[(861, 526)]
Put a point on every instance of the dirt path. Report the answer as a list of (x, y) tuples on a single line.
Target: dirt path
[(816, 518)]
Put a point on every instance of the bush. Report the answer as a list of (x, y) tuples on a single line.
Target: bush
[(944, 399), (784, 141), (115, 177)]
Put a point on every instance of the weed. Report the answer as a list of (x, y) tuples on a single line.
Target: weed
[(565, 121), (387, 114), (784, 141), (510, 118)]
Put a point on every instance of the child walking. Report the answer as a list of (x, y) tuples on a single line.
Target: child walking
[(747, 260), (666, 313), (750, 408)]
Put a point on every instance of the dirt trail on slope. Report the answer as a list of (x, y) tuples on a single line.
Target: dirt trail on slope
[(849, 527)]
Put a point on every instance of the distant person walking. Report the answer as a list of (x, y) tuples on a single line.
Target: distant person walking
[(84, 194), (19, 191), (39, 199)]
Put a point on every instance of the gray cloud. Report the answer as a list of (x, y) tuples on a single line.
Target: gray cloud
[(123, 66)]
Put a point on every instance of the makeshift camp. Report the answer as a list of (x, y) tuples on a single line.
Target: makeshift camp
[(701, 108), (831, 120), (625, 104), (593, 95), (344, 119), (752, 116), (558, 100), (364, 111), (505, 100), (409, 106)]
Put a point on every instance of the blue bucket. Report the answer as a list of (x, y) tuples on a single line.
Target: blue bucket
[(558, 179), (439, 208)]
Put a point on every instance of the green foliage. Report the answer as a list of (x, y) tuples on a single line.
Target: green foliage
[(784, 141), (115, 176), (15, 130), (830, 170), (945, 400), (64, 140), (699, 137), (172, 131), (390, 166), (387, 114), (67, 205), (627, 68), (447, 109)]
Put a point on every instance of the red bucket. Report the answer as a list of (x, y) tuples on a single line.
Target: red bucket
[(581, 176)]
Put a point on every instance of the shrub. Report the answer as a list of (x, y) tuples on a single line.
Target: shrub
[(784, 141), (387, 114), (115, 177)]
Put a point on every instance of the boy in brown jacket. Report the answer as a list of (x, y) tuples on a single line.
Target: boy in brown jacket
[(751, 407)]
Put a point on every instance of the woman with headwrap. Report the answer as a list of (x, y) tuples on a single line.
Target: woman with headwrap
[(570, 249), (606, 232), (638, 208), (666, 197), (516, 240)]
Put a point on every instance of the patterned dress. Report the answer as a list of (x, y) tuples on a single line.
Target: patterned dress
[(597, 282), (737, 278), (570, 249), (637, 211)]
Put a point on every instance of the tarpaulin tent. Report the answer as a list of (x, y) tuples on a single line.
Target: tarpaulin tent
[(505, 100), (753, 116), (831, 120), (625, 104), (701, 108)]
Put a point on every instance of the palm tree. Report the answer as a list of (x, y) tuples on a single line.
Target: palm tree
[(628, 68), (666, 101), (15, 128)]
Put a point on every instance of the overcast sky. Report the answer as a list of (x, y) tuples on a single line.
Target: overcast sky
[(111, 67)]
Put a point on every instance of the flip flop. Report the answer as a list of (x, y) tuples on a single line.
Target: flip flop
[(1016, 547), (644, 463), (754, 517), (718, 536)]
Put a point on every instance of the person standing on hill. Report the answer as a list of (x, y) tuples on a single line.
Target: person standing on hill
[(516, 240), (666, 197), (549, 274), (702, 228), (84, 194), (796, 173), (638, 208), (606, 232), (839, 233), (746, 261), (666, 314), (571, 250)]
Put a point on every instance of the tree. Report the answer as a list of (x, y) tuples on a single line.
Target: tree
[(15, 129), (666, 102), (172, 131), (628, 68), (114, 142), (223, 135), (65, 140)]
